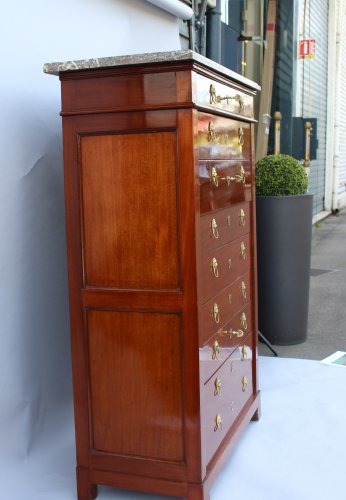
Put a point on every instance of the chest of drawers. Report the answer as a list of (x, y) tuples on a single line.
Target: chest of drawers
[(159, 186)]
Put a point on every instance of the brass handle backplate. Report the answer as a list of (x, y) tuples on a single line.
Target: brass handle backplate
[(244, 353), (242, 217), (244, 383), (213, 229), (217, 385), (243, 321), (243, 250), (214, 177), (211, 132), (216, 350), (243, 289), (240, 136), (215, 267), (218, 423), (216, 313), (217, 99)]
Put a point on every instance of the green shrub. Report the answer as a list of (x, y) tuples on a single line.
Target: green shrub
[(280, 175)]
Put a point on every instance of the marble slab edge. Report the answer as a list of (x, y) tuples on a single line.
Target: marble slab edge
[(56, 68)]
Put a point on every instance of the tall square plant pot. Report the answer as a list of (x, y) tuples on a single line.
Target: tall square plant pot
[(284, 227)]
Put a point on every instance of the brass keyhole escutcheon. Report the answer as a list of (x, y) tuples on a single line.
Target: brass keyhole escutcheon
[(229, 263), (243, 289), (243, 250), (215, 267), (218, 423), (216, 313), (217, 385), (242, 217), (244, 383), (244, 353), (232, 366), (214, 177), (243, 321), (214, 229), (240, 136), (216, 350), (229, 220)]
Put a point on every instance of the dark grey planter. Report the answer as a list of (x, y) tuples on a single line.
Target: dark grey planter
[(284, 225)]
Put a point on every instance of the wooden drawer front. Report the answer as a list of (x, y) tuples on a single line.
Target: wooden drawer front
[(227, 303), (208, 93), (134, 91), (224, 226), (223, 138), (229, 262), (225, 395), (218, 348), (224, 183)]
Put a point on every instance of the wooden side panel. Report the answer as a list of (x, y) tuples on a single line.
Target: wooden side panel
[(129, 210), (136, 384)]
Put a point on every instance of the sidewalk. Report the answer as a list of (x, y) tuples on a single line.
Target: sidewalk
[(327, 310)]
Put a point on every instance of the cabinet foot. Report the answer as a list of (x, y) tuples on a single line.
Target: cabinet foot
[(85, 489), (198, 492), (257, 415)]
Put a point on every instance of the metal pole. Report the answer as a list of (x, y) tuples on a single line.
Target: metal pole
[(277, 118), (213, 43), (308, 127)]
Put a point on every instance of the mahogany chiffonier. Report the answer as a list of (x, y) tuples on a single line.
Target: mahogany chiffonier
[(160, 214)]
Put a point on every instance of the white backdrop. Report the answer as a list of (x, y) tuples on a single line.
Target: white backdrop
[(35, 372)]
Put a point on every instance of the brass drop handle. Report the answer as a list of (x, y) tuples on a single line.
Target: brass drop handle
[(239, 177), (243, 321), (244, 383), (218, 423), (216, 350), (243, 250), (213, 228), (243, 289), (237, 333), (215, 267), (216, 313), (242, 217), (240, 136), (216, 99), (217, 385), (244, 353)]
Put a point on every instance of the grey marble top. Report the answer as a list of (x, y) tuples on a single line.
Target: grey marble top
[(155, 57)]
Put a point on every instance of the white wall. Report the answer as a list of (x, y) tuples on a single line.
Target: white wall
[(35, 373)]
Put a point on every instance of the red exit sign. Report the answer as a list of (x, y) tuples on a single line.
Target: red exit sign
[(307, 49)]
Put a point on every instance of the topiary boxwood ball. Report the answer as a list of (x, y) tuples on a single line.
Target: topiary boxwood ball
[(280, 175)]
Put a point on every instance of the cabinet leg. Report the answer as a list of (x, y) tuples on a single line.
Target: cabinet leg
[(85, 489), (197, 492)]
